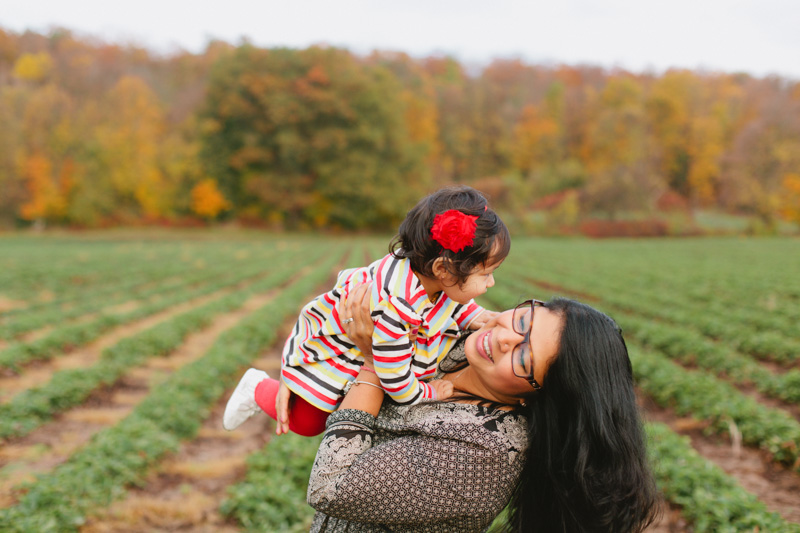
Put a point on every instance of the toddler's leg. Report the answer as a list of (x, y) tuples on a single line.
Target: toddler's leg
[(304, 418), (242, 404)]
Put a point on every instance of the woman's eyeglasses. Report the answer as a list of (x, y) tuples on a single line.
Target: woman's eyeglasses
[(522, 355)]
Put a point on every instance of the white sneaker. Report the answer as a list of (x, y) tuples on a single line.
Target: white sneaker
[(242, 404)]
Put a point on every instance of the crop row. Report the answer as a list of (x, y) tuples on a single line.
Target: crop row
[(55, 274), (706, 398), (686, 346), (710, 500), (741, 327), (272, 497), (727, 274), (742, 333), (66, 269), (121, 455), (72, 335), (109, 273), (172, 277), (68, 388)]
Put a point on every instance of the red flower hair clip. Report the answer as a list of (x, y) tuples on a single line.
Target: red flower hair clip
[(454, 230)]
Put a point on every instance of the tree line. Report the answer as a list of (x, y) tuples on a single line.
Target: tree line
[(96, 134)]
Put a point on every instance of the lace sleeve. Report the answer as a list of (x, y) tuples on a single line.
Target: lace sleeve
[(411, 479), (348, 435)]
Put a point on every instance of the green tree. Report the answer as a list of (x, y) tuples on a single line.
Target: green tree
[(310, 137)]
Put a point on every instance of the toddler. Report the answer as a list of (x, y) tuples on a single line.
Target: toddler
[(444, 255)]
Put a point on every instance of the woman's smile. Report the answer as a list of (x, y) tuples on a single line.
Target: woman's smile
[(484, 346)]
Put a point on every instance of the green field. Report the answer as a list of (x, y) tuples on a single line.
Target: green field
[(119, 349)]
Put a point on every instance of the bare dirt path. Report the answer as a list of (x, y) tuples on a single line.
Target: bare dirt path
[(8, 304), (39, 373), (53, 443)]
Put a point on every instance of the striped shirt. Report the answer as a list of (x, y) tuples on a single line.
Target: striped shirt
[(411, 335)]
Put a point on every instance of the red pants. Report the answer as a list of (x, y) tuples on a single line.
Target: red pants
[(304, 418)]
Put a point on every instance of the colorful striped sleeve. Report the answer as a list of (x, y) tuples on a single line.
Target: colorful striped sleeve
[(465, 314)]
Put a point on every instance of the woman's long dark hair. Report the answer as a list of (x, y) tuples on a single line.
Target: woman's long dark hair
[(586, 467)]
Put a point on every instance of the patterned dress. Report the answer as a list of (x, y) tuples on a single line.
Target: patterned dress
[(430, 467), (411, 334)]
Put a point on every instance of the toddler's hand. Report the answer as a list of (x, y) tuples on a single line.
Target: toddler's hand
[(482, 319), (282, 409), (443, 388)]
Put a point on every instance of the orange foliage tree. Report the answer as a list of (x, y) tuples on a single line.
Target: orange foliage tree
[(790, 199), (207, 201), (48, 193)]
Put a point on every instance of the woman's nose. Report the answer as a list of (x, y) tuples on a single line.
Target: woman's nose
[(490, 283), (509, 339)]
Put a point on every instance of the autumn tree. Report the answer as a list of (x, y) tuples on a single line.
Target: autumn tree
[(419, 102), (129, 138), (535, 138), (540, 156), (762, 155), (310, 137), (455, 133), (47, 198), (33, 67), (12, 141), (790, 198), (48, 154), (619, 172), (207, 201), (669, 116)]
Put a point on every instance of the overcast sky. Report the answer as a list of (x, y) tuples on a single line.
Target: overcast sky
[(761, 37)]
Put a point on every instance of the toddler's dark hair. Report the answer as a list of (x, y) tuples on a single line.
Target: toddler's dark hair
[(414, 242)]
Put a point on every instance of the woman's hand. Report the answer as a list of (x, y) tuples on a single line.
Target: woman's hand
[(356, 306), (366, 394)]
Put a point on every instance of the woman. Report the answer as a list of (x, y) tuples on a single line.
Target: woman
[(544, 421)]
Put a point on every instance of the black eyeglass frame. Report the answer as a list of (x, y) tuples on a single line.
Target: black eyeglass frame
[(516, 357)]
